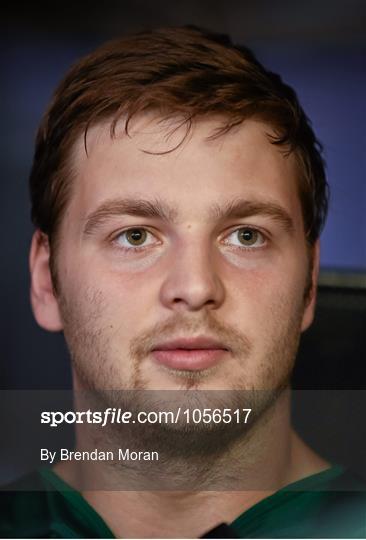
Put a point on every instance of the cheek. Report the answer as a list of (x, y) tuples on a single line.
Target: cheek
[(262, 293), (125, 298), (115, 275)]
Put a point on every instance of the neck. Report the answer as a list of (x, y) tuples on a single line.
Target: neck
[(270, 458)]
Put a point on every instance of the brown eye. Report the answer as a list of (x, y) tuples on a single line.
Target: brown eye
[(136, 237), (248, 237)]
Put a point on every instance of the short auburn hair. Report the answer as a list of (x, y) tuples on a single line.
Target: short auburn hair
[(185, 72)]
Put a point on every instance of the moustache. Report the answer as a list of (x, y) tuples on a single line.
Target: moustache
[(180, 327)]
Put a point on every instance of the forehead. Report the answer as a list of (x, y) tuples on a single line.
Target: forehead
[(159, 159)]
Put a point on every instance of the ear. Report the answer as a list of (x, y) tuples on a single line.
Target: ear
[(43, 299), (310, 302)]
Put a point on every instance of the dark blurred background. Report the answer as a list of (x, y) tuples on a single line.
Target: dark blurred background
[(318, 46)]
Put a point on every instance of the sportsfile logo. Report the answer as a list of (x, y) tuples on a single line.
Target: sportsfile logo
[(114, 415)]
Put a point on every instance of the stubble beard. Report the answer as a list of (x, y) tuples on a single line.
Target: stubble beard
[(185, 450)]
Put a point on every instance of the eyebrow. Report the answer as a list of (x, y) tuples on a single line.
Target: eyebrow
[(156, 208), (241, 208), (130, 207)]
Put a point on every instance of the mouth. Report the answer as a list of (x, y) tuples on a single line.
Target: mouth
[(190, 354)]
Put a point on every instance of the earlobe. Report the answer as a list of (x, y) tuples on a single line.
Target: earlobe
[(310, 302), (44, 302)]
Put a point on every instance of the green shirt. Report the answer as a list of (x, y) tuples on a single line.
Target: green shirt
[(330, 504)]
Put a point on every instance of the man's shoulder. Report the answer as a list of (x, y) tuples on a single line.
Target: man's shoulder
[(331, 504), (349, 481), (42, 505), (345, 505), (24, 510)]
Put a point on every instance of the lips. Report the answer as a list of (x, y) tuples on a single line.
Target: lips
[(191, 354)]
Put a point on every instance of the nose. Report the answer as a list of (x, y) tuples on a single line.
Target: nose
[(192, 282)]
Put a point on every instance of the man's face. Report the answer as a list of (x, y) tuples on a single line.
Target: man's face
[(183, 269)]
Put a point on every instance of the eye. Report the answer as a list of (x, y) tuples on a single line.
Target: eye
[(134, 238), (246, 237)]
